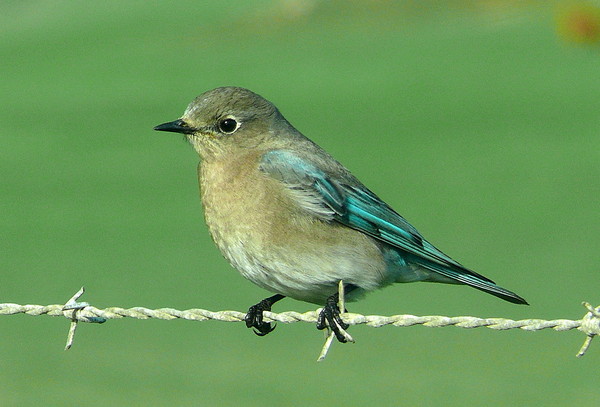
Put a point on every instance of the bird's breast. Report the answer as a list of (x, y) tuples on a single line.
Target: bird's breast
[(240, 202)]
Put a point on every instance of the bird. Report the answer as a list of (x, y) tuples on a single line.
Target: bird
[(293, 220)]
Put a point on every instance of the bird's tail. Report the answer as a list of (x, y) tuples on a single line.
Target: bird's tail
[(465, 276)]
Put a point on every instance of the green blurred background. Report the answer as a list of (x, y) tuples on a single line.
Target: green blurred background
[(478, 121)]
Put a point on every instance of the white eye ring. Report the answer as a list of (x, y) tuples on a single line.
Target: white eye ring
[(228, 125)]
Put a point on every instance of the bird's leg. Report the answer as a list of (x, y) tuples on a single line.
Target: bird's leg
[(254, 317), (330, 315)]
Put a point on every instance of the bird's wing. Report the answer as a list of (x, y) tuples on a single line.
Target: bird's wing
[(352, 205), (344, 200)]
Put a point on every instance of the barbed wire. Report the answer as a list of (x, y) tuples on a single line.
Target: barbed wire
[(84, 312)]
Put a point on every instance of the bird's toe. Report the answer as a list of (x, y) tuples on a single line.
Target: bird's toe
[(330, 317), (254, 319)]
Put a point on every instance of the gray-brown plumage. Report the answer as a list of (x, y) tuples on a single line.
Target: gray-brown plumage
[(293, 220)]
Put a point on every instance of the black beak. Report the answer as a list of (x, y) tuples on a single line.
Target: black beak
[(178, 126)]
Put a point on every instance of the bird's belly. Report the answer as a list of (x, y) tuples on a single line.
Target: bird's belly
[(306, 268), (297, 256)]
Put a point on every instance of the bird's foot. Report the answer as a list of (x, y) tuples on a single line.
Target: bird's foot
[(254, 317), (329, 317)]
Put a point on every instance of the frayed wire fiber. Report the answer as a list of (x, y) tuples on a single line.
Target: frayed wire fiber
[(84, 312)]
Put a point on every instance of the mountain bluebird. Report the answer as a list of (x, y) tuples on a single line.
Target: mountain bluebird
[(293, 220)]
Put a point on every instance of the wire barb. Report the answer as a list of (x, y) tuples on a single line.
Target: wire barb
[(84, 312), (75, 306), (590, 325)]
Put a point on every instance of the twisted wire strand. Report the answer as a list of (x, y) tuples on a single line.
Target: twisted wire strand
[(92, 314), (84, 312)]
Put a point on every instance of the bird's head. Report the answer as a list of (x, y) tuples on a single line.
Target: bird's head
[(227, 119)]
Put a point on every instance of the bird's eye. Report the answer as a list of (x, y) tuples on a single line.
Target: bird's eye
[(228, 125)]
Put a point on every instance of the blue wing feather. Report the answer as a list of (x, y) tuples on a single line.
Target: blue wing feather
[(344, 200)]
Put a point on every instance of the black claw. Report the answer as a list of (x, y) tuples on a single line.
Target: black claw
[(330, 316), (254, 317), (267, 328)]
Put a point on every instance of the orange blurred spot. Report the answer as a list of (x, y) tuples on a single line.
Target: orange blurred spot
[(579, 23)]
